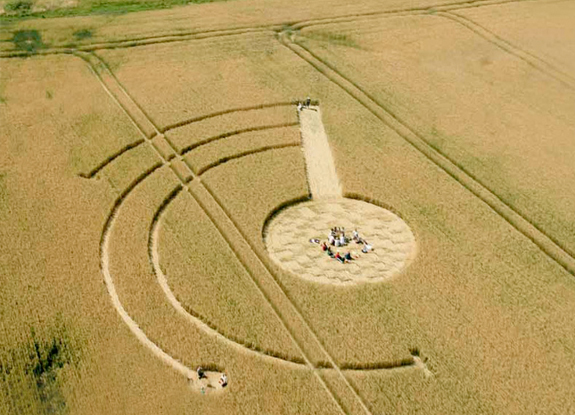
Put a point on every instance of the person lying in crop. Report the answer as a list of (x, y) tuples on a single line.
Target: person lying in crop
[(339, 257)]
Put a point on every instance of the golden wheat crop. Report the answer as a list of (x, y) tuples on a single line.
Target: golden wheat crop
[(475, 102), (221, 151), (191, 22), (216, 127), (209, 280), (540, 37), (122, 269)]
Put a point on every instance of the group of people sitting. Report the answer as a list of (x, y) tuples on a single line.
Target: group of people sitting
[(337, 238), (223, 381)]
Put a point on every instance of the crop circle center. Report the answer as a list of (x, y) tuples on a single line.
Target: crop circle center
[(291, 238)]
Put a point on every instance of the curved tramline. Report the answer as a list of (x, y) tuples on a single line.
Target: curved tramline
[(211, 378), (394, 242), (153, 251)]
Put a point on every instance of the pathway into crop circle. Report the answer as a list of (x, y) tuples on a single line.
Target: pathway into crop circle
[(287, 238), (288, 234)]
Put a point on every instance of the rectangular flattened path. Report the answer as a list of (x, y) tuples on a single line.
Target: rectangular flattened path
[(321, 173)]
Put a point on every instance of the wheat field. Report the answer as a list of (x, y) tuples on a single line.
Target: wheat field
[(144, 169)]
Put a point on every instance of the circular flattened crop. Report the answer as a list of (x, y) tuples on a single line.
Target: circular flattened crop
[(287, 238)]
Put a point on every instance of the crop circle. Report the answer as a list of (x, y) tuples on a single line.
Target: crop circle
[(287, 238)]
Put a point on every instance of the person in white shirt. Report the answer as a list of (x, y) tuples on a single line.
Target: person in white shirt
[(223, 380), (331, 239)]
